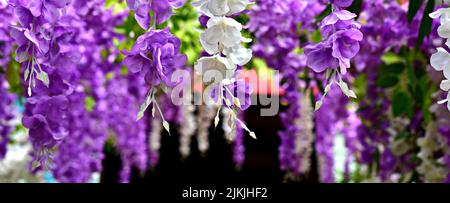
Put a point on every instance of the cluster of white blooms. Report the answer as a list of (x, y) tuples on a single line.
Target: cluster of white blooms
[(441, 59), (304, 138), (205, 116), (228, 124), (431, 169), (187, 129), (222, 40)]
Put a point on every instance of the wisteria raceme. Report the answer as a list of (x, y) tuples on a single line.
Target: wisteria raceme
[(155, 56), (378, 24), (81, 154), (6, 47), (275, 19), (342, 37), (77, 78), (338, 3), (204, 119), (223, 40), (326, 120), (7, 113), (239, 147), (279, 20), (162, 10), (439, 60), (349, 129), (130, 136)]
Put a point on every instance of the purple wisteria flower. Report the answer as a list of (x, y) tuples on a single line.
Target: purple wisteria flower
[(236, 93), (162, 10), (6, 45), (46, 123), (156, 56), (340, 46), (7, 112), (338, 3)]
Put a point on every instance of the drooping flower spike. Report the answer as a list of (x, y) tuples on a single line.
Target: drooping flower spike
[(440, 60), (223, 40)]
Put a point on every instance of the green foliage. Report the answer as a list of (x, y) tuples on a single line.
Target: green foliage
[(425, 24), (387, 81), (413, 8), (316, 36), (360, 86), (412, 89), (89, 103), (389, 74), (116, 6), (355, 7), (324, 13), (401, 104), (184, 24), (13, 76)]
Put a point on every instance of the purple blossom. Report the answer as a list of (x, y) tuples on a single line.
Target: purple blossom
[(341, 44), (162, 10), (156, 56), (7, 113), (338, 3)]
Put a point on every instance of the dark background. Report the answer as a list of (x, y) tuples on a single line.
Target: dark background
[(216, 166)]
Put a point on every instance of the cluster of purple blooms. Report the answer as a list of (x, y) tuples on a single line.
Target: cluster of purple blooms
[(7, 113), (162, 10), (341, 38), (275, 19), (78, 97)]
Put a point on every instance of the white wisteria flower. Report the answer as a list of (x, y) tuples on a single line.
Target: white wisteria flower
[(238, 54), (440, 61), (222, 32), (220, 7), (445, 85), (444, 28), (215, 68)]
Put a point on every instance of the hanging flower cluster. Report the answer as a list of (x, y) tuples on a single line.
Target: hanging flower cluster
[(6, 115), (279, 20), (223, 40), (65, 75), (44, 36), (162, 10), (440, 60), (155, 55), (341, 38)]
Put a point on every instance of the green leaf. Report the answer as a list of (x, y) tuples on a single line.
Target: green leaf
[(13, 77), (401, 104), (387, 81), (413, 8), (324, 13), (360, 85), (355, 7), (316, 36), (89, 103), (393, 69), (390, 58), (425, 25)]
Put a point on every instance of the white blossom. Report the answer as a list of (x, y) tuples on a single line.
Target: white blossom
[(239, 55), (220, 7), (440, 61), (221, 32), (444, 28), (215, 67)]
